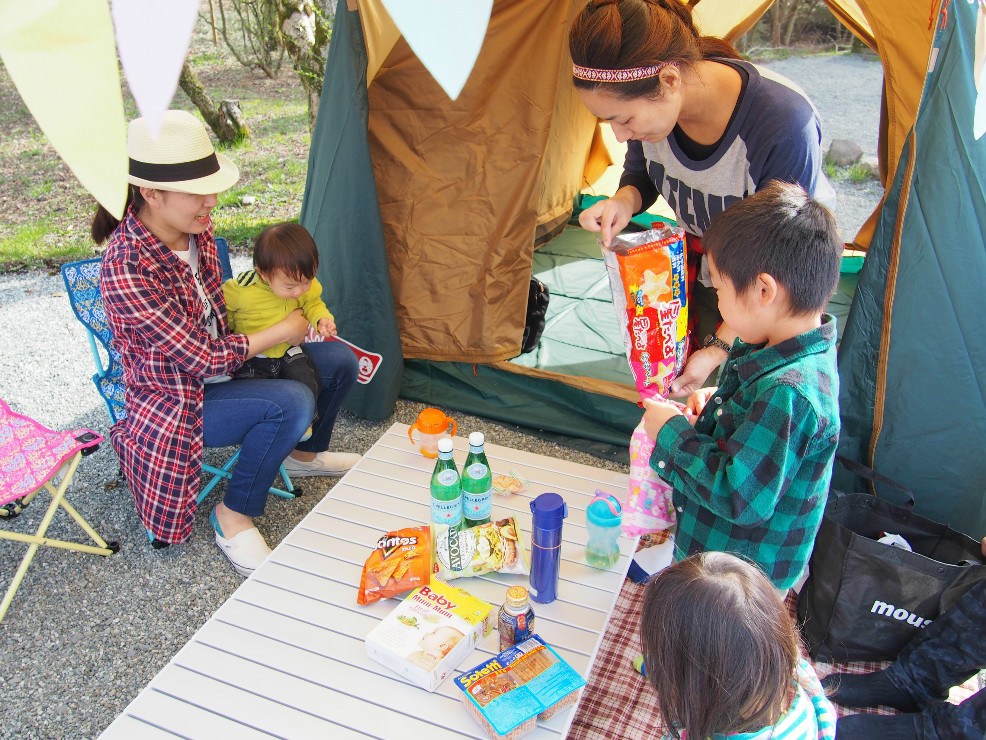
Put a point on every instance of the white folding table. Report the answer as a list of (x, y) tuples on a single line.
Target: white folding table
[(284, 656)]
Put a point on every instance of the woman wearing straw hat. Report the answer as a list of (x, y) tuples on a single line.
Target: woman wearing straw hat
[(703, 128), (161, 289)]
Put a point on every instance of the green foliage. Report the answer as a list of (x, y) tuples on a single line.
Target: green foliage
[(41, 243), (856, 173)]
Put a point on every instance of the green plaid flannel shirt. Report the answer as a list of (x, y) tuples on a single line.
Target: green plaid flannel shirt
[(752, 476)]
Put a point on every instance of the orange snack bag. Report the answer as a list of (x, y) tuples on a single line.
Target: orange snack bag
[(647, 276), (400, 562)]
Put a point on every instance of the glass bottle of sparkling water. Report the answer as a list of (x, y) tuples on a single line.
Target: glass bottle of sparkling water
[(477, 484), (446, 494)]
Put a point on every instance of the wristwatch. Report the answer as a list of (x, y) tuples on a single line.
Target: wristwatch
[(714, 341)]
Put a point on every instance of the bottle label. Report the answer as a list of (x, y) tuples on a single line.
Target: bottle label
[(448, 477), (447, 512), (478, 505), (514, 628), (477, 470)]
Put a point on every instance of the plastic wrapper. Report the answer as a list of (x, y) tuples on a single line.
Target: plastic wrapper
[(508, 694), (401, 561), (647, 277), (494, 547), (648, 508)]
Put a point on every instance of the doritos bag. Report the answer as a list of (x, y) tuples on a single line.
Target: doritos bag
[(647, 276), (400, 562)]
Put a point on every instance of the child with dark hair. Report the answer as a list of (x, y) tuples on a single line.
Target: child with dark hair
[(751, 462), (285, 259), (723, 655)]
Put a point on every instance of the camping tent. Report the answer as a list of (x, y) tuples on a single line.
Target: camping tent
[(428, 212)]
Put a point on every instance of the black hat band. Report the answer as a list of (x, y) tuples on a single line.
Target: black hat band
[(177, 172)]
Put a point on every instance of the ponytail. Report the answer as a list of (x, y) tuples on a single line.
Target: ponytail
[(104, 223), (626, 34)]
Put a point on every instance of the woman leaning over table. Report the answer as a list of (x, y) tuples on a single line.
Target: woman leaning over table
[(160, 284), (703, 128)]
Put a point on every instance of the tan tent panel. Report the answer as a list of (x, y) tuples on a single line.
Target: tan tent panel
[(502, 163), (493, 165), (728, 19)]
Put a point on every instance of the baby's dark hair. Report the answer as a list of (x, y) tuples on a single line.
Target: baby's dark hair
[(720, 648), (287, 248), (782, 231)]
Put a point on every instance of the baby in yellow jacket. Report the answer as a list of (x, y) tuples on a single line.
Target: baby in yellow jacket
[(282, 280)]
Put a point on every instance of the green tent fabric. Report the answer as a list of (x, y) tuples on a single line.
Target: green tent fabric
[(342, 212), (913, 357)]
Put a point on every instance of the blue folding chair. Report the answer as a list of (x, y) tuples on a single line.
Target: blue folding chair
[(82, 284)]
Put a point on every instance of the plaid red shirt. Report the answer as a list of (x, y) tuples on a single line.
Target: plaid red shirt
[(157, 319)]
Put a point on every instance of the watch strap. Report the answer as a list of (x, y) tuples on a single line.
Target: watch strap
[(712, 340)]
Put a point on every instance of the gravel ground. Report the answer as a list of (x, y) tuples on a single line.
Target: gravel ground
[(846, 91), (85, 634)]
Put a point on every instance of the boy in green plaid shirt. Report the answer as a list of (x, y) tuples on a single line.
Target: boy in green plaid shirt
[(750, 461)]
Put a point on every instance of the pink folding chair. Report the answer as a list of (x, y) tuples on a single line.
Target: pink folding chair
[(33, 457)]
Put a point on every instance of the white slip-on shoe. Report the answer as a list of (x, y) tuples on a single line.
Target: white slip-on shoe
[(245, 551), (332, 464)]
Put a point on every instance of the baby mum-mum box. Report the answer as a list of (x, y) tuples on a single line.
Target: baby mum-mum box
[(429, 633)]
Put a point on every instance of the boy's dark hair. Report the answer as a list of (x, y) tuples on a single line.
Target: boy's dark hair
[(782, 231), (719, 647), (287, 248)]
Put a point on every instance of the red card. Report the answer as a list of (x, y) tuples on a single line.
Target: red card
[(368, 361)]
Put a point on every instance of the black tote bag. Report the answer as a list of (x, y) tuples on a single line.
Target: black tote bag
[(863, 599)]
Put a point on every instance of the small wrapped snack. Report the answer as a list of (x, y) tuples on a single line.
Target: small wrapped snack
[(508, 694), (401, 561), (647, 276), (494, 547)]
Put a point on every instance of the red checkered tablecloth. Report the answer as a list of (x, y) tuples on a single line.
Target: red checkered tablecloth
[(617, 702)]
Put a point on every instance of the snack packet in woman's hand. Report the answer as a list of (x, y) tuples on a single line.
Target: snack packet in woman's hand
[(647, 276)]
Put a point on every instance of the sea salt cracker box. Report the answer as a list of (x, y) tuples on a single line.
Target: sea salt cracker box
[(429, 633)]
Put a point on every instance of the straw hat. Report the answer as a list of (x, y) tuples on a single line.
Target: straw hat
[(181, 159)]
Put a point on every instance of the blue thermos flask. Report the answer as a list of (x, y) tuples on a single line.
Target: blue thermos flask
[(549, 509)]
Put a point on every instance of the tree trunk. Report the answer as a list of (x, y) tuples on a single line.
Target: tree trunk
[(791, 21), (226, 119), (306, 37), (775, 23)]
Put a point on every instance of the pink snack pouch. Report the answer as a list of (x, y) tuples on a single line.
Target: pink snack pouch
[(649, 508), (647, 276)]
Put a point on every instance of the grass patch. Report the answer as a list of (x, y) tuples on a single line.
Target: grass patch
[(41, 244), (856, 173)]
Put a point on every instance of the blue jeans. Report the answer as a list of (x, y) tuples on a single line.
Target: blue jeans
[(267, 418)]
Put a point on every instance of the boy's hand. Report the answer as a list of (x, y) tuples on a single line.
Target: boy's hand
[(326, 327), (656, 414), (697, 400), (699, 366)]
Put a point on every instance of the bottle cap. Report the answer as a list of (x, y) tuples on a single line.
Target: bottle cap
[(432, 421), (516, 597), (445, 444), (549, 509), (602, 514), (476, 439)]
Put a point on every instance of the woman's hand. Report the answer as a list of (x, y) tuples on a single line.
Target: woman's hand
[(610, 216), (292, 330), (700, 365)]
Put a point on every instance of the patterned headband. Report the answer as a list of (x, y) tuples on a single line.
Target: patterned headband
[(618, 75)]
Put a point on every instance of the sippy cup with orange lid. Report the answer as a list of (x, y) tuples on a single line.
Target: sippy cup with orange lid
[(431, 425)]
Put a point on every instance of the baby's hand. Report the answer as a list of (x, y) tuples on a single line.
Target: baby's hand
[(327, 327), (657, 411)]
